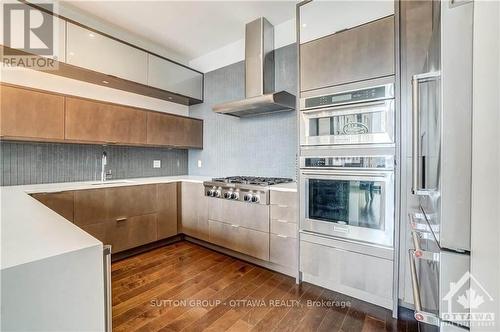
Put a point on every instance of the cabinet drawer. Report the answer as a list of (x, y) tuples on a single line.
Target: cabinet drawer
[(253, 216), (283, 250), (125, 234), (247, 241), (283, 227), (283, 198), (366, 277), (284, 212), (98, 205)]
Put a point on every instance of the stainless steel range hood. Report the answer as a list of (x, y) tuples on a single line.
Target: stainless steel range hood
[(261, 97)]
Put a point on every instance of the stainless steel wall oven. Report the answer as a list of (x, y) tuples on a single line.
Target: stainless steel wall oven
[(349, 196)]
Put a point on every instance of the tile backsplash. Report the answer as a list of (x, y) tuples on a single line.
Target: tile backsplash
[(30, 163)]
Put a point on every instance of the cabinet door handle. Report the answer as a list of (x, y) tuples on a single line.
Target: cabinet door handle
[(283, 236), (121, 219), (282, 206), (235, 226), (281, 220)]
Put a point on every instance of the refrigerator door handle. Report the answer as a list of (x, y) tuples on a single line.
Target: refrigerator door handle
[(415, 94), (420, 315), (107, 288)]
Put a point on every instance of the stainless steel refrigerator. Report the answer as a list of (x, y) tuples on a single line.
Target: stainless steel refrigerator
[(436, 147)]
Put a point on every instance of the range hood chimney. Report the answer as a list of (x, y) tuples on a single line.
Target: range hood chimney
[(260, 94)]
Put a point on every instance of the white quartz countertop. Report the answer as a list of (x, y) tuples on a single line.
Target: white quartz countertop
[(30, 231)]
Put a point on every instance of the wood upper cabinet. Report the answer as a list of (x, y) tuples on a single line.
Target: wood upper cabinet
[(171, 130), (60, 202), (93, 121), (31, 114), (167, 210)]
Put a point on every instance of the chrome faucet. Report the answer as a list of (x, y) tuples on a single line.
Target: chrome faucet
[(104, 162)]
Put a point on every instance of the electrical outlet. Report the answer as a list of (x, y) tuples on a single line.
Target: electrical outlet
[(156, 163), (199, 163), (178, 163)]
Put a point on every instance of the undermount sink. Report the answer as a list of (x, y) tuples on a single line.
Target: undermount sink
[(100, 183)]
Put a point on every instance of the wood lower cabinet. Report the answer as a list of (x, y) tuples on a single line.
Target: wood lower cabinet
[(167, 210), (247, 241), (29, 114), (125, 233), (60, 202), (194, 213), (97, 205), (172, 130), (93, 121)]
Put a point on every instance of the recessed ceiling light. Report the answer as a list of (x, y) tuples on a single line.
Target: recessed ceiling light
[(105, 82), (304, 25), (91, 35), (170, 98)]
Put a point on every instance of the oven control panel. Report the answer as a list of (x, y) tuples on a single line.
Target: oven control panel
[(355, 162), (350, 97)]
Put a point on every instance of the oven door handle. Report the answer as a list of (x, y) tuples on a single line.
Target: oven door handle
[(382, 105), (415, 142), (335, 174), (420, 315)]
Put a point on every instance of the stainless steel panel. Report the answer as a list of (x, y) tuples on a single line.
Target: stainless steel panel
[(360, 53), (456, 36), (108, 317), (259, 58)]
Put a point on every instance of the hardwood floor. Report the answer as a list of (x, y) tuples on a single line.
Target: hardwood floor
[(185, 287)]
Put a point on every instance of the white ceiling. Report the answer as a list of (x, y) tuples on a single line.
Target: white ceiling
[(189, 28)]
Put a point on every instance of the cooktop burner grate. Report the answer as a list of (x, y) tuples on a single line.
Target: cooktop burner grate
[(253, 180)]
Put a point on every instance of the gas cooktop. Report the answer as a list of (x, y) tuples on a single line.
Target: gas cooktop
[(253, 180)]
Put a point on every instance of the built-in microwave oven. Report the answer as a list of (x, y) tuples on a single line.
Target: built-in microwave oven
[(360, 116)]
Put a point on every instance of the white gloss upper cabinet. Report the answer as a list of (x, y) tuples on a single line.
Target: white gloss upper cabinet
[(167, 75), (322, 18), (91, 50)]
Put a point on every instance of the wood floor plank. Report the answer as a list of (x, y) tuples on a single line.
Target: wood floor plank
[(187, 285), (163, 318), (188, 273)]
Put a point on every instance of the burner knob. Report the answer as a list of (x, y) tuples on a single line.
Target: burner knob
[(216, 194), (247, 198), (227, 195), (209, 192), (255, 199), (235, 195)]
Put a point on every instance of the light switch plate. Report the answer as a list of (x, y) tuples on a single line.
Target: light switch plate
[(156, 163)]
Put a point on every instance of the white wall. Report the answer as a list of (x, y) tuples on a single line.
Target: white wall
[(284, 34), (485, 252)]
